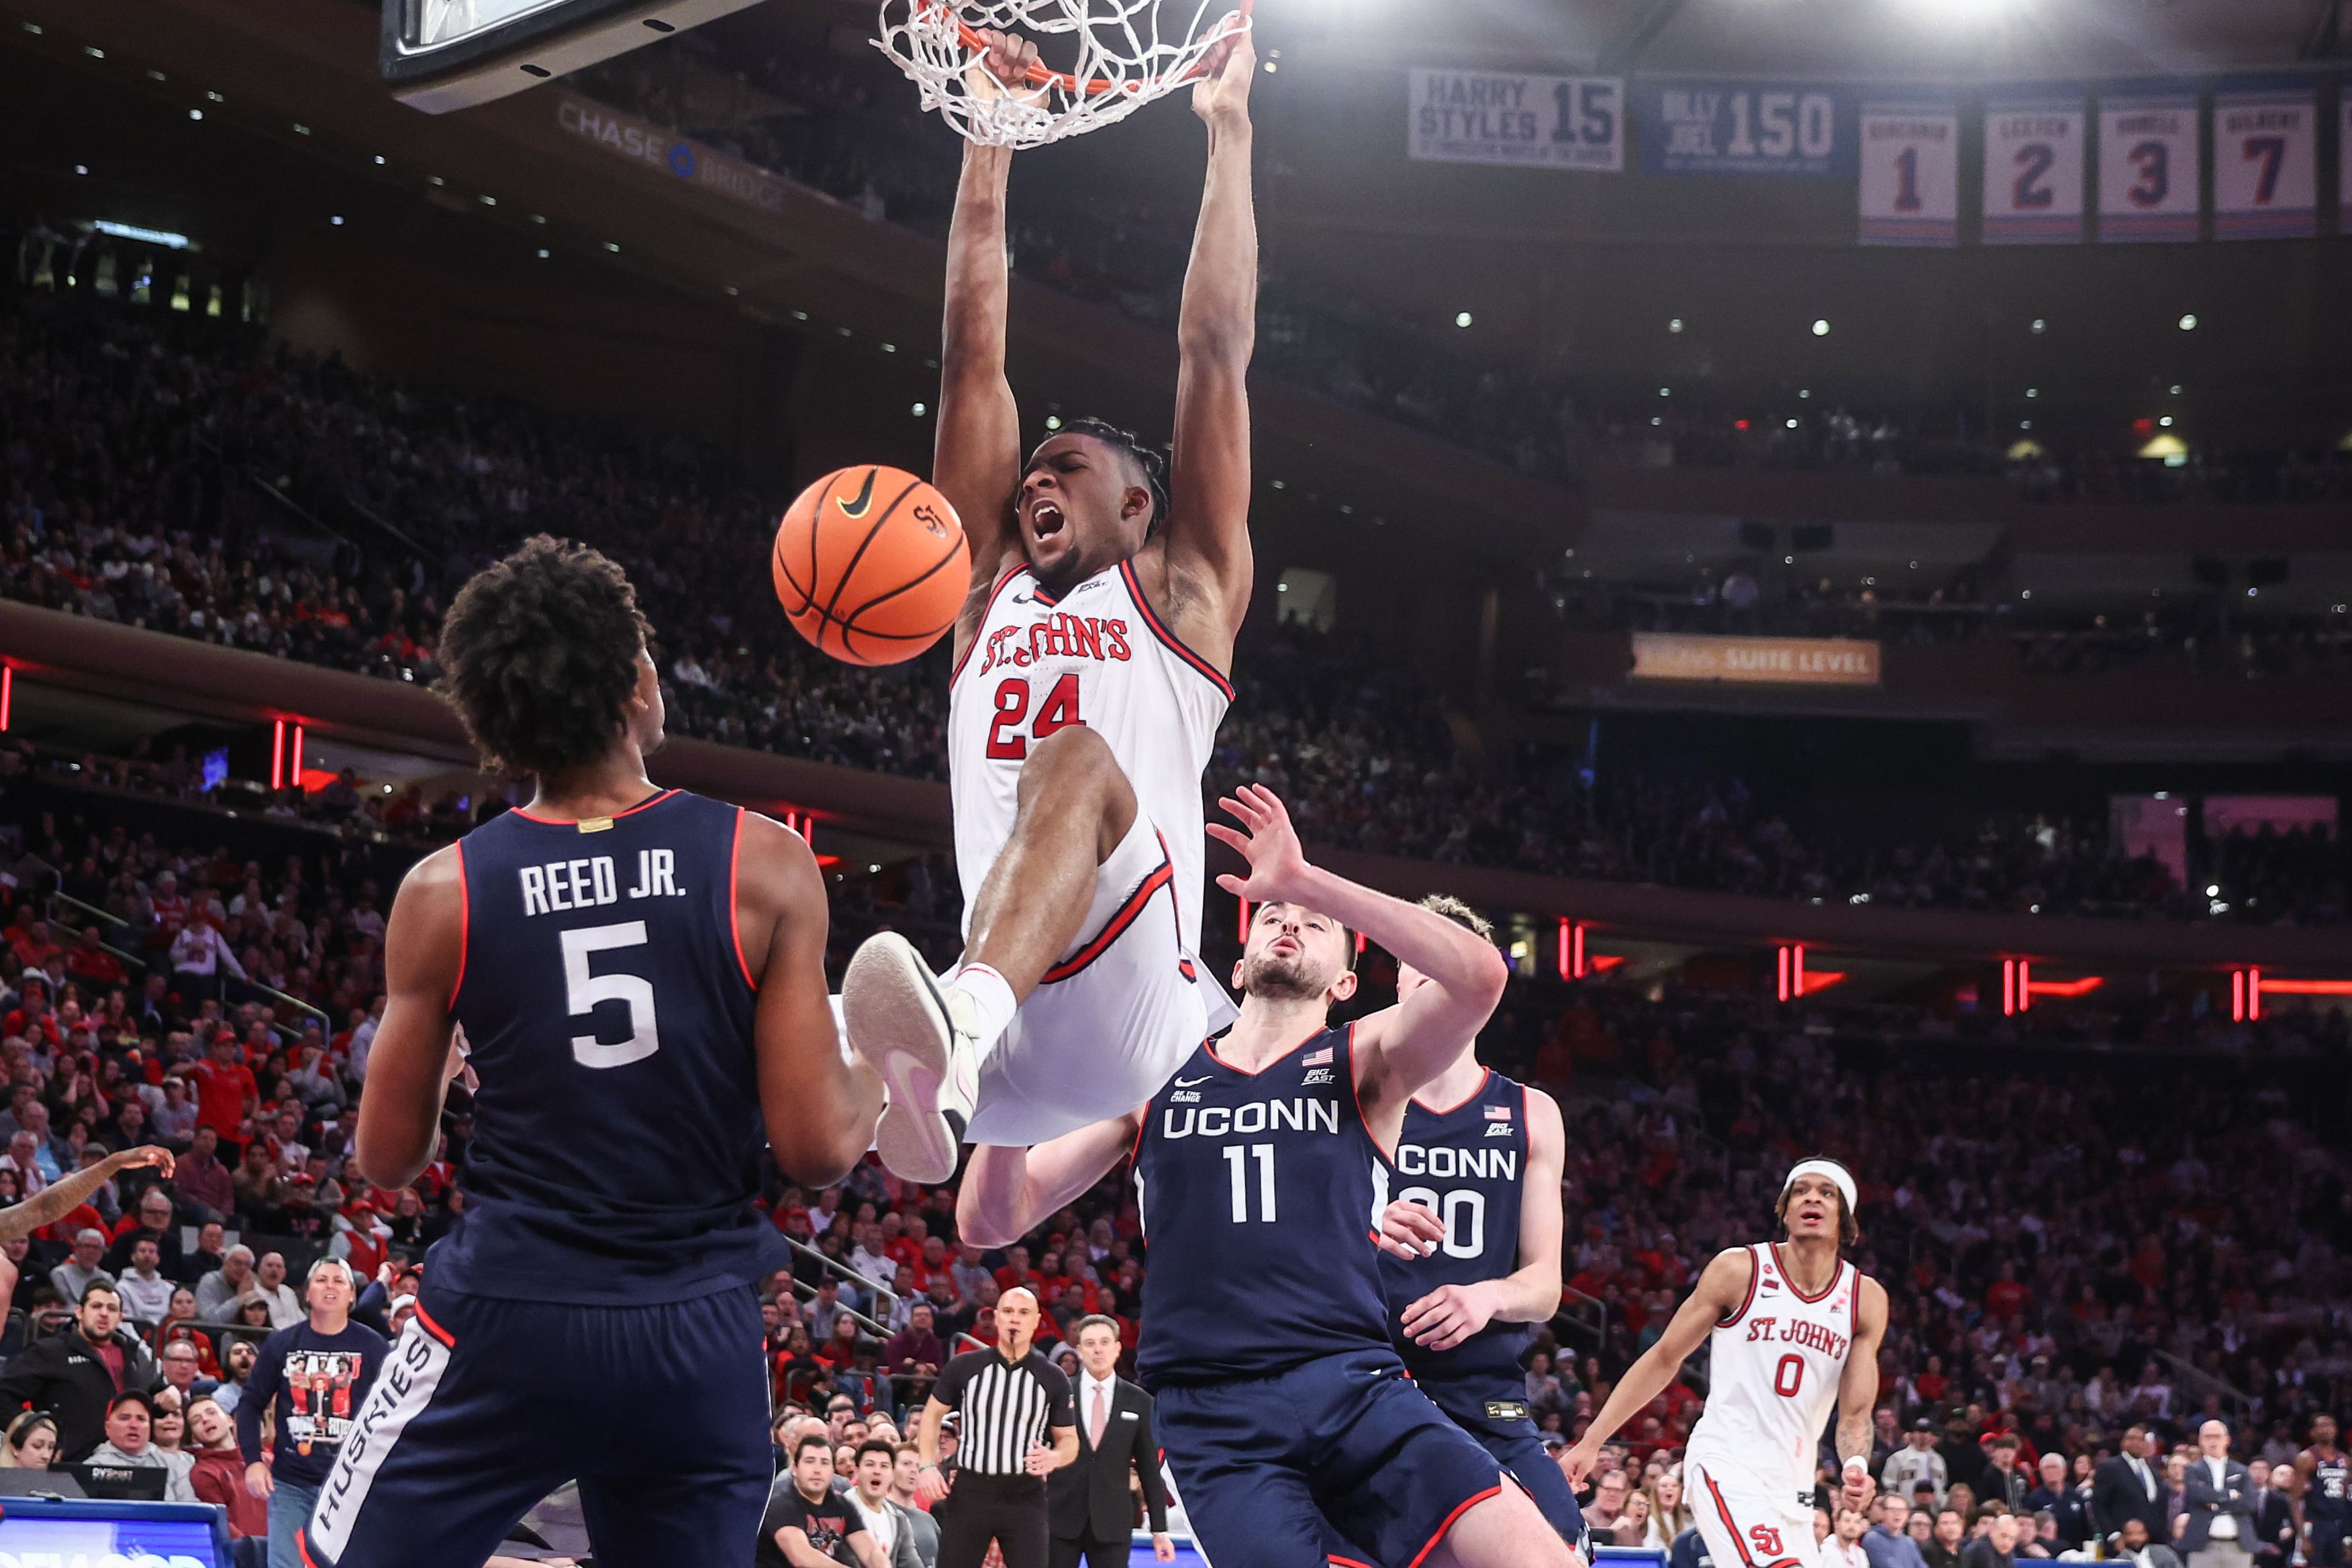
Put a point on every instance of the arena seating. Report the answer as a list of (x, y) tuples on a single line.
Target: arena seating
[(160, 457), (2156, 1233)]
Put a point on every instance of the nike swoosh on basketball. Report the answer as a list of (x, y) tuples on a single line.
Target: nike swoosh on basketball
[(1189, 1082), (865, 498)]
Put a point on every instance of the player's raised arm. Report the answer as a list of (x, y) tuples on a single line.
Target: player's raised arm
[(976, 458), (1721, 1288), (819, 1104), (1209, 560), (1858, 1394), (65, 1195), (1402, 1047), (410, 1066), (1008, 1192)]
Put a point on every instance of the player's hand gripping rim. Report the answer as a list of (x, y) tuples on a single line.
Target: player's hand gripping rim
[(1278, 864)]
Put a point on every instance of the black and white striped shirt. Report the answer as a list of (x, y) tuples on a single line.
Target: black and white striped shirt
[(1004, 1407)]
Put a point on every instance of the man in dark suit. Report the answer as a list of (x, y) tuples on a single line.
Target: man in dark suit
[(2218, 1496), (2273, 1517), (1093, 1515), (2128, 1486), (2065, 1501)]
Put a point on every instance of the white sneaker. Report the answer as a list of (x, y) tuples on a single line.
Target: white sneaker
[(923, 1039)]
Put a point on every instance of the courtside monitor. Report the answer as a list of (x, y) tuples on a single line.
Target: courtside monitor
[(87, 1529), (440, 55)]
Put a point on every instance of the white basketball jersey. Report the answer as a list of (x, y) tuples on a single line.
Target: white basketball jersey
[(1097, 657), (1773, 1374)]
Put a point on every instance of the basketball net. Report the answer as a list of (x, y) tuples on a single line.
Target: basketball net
[(1130, 52)]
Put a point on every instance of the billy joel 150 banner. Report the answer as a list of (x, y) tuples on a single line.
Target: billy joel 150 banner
[(1744, 128), (1498, 117)]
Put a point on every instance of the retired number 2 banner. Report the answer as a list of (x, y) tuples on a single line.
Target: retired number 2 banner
[(2034, 168), (2266, 161)]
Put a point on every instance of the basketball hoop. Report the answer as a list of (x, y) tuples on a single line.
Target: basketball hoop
[(1129, 53)]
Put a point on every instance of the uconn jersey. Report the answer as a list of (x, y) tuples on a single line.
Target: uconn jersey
[(1463, 1164), (1257, 1197), (603, 992), (2327, 1507)]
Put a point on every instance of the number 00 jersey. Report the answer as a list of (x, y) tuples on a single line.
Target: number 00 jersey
[(1773, 1374), (604, 998), (1099, 657), (1465, 1165), (1256, 1192)]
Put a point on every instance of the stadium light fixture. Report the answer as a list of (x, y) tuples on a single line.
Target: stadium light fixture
[(337, 220), (1462, 318), (81, 168), (1820, 329), (195, 114), (162, 237), (1665, 391), (920, 409), (2040, 326), (2188, 322), (1675, 325)]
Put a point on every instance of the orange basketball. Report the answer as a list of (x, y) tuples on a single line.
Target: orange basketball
[(871, 564)]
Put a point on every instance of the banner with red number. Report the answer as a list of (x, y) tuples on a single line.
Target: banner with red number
[(2033, 167), (1910, 172), (2148, 164), (2266, 162)]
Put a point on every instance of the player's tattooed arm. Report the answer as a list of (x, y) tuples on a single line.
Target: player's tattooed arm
[(976, 459), (62, 1196), (1858, 1396), (1209, 567), (410, 1065), (1722, 1288), (1008, 1192)]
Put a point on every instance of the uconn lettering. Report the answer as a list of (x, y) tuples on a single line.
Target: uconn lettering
[(561, 885), (1258, 1116), (1485, 1164), (1058, 635)]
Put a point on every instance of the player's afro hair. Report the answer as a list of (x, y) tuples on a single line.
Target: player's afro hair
[(538, 656)]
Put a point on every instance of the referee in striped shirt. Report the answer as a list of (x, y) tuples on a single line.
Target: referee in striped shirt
[(1016, 1427)]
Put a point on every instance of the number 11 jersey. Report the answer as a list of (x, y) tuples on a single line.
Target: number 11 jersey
[(606, 1003)]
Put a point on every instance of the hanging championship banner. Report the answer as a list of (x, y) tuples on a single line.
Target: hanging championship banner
[(2147, 163), (1910, 184), (2265, 160), (1495, 116), (1744, 128), (2033, 167)]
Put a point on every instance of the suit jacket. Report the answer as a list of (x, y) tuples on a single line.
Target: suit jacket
[(1088, 1498), (2204, 1502), (2116, 1496), (2274, 1528)]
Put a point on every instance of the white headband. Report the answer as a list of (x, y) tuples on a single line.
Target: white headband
[(1838, 1174)]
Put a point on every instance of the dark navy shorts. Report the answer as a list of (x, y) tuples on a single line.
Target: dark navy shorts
[(2327, 1548), (1515, 1443), (1261, 1463), (486, 1405)]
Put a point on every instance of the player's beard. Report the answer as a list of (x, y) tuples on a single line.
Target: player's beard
[(1282, 979)]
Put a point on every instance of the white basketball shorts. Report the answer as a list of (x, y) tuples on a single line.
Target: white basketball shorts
[(1747, 1521), (1119, 1012)]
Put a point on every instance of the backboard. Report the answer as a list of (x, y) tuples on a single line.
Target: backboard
[(440, 55)]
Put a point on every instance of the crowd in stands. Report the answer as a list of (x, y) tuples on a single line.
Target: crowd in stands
[(2153, 1236), (125, 432), (845, 124)]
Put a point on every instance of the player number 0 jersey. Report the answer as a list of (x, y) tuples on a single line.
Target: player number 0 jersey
[(1097, 657), (1773, 1374)]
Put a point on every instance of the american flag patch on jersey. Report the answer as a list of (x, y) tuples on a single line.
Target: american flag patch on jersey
[(1321, 1058), (1499, 1114)]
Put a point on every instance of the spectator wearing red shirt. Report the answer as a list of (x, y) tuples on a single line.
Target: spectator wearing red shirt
[(30, 940), (227, 1094), (31, 1015), (2006, 1298), (89, 962)]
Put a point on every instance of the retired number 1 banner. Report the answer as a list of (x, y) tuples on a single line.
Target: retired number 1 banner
[(1910, 184), (2265, 160)]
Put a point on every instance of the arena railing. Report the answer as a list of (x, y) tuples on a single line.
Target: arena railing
[(2241, 1404), (144, 963)]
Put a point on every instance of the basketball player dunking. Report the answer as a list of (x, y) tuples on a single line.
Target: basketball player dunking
[(1281, 1401), (1796, 1329), (639, 974), (2326, 1496), (1478, 1165), (1089, 679)]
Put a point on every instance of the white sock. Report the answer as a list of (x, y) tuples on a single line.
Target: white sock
[(991, 1001)]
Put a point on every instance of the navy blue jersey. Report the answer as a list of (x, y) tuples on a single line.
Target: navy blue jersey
[(2329, 1496), (617, 1133), (1465, 1165), (1256, 1190)]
